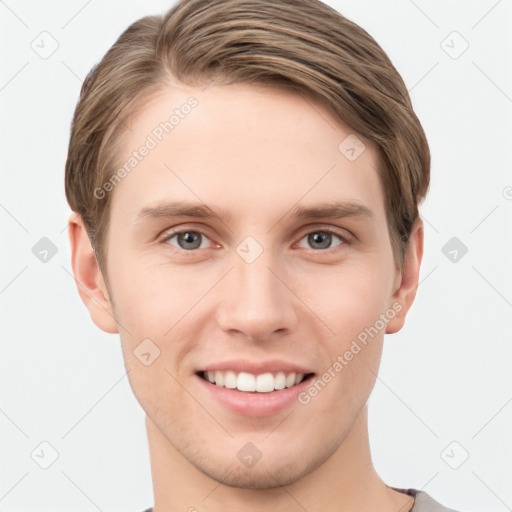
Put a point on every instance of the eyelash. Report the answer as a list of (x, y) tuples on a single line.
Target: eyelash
[(344, 239)]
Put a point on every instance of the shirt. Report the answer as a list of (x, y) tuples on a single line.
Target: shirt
[(422, 502)]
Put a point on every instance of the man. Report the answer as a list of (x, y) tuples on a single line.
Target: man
[(245, 179)]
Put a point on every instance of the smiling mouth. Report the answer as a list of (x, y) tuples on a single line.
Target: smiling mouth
[(248, 382)]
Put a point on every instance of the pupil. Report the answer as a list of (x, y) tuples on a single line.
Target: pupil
[(189, 238), (321, 237)]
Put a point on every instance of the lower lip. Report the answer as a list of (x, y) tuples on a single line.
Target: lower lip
[(255, 404)]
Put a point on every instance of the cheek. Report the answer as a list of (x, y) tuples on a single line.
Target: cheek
[(159, 304), (150, 299), (349, 299), (352, 305)]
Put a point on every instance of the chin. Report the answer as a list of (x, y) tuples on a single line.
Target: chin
[(252, 478), (267, 473)]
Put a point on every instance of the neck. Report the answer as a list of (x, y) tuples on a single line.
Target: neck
[(347, 479)]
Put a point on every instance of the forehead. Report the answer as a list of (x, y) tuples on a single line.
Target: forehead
[(244, 148)]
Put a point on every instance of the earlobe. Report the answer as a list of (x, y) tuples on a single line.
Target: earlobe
[(88, 278), (408, 278)]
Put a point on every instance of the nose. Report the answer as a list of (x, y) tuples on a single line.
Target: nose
[(257, 300)]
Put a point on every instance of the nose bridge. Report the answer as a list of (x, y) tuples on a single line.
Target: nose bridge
[(254, 300)]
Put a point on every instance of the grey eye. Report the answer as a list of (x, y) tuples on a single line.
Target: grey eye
[(188, 240), (321, 239)]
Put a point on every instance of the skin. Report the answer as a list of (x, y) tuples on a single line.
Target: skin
[(255, 153)]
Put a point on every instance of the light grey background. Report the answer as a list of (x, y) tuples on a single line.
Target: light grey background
[(445, 385)]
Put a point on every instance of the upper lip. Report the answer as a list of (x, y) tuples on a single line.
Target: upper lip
[(257, 367)]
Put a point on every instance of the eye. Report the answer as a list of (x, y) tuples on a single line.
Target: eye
[(188, 240), (322, 239)]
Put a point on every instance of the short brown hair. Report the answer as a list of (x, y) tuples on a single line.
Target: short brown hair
[(303, 46)]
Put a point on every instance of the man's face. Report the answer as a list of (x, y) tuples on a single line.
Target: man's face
[(257, 291)]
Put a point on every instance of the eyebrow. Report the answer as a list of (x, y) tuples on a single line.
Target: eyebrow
[(333, 209), (182, 209)]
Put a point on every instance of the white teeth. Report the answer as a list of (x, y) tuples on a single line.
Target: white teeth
[(219, 378), (230, 380), (245, 382), (290, 380), (280, 380), (263, 383)]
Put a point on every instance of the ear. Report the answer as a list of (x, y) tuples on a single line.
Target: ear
[(407, 279), (88, 278)]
